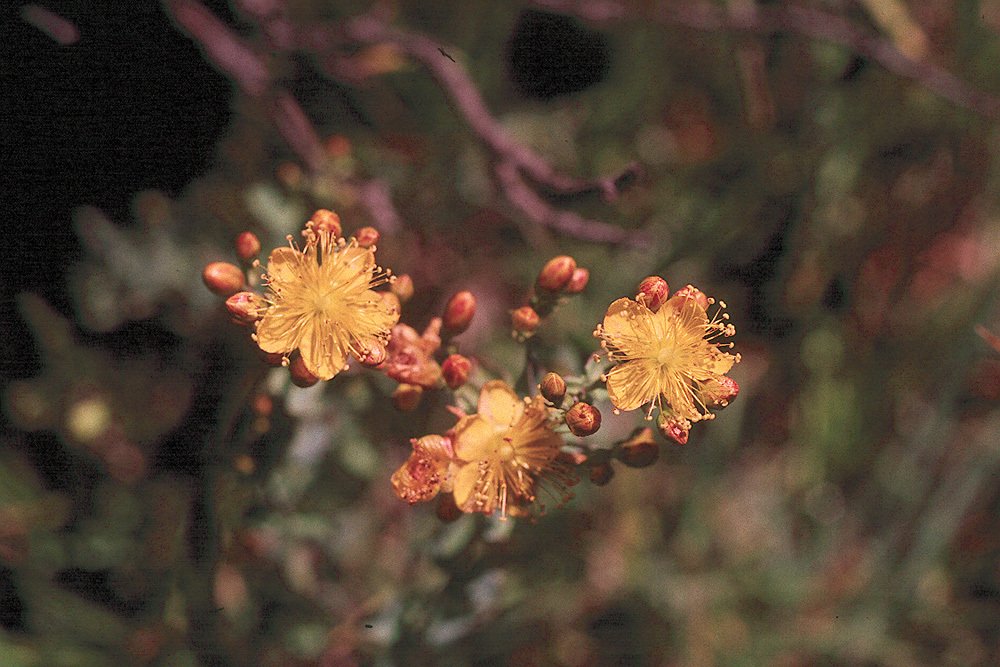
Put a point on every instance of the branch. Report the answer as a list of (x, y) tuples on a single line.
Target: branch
[(771, 19)]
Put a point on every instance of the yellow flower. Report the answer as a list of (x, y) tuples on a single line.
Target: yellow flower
[(503, 452), (496, 459), (321, 302), (667, 358)]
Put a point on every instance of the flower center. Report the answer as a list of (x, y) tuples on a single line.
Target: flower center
[(505, 448), (667, 355)]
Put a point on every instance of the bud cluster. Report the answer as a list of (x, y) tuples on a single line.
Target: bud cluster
[(559, 277)]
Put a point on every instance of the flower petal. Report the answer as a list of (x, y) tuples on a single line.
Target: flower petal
[(322, 352), (278, 329), (284, 265), (625, 327), (475, 489), (499, 403), (631, 384), (474, 438)]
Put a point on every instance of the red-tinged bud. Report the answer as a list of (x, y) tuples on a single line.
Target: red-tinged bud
[(674, 428), (325, 221), (406, 396), (555, 275), (695, 293), (366, 237), (720, 391), (601, 474), (371, 353), (553, 388), (640, 450), (524, 320), (223, 278), (247, 246), (301, 376), (577, 281), (402, 287), (446, 509), (246, 307), (583, 419), (455, 370), (459, 312), (652, 292)]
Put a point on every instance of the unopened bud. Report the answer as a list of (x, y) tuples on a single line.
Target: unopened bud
[(247, 246), (455, 370), (245, 307), (674, 428), (556, 274), (652, 292), (402, 287), (223, 278), (459, 312), (524, 320), (371, 353), (720, 392), (446, 509), (406, 396), (301, 376), (577, 281), (640, 450), (601, 474), (583, 419), (695, 293), (325, 221), (366, 237), (553, 388)]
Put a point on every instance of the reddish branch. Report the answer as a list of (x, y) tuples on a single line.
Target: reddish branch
[(777, 18)]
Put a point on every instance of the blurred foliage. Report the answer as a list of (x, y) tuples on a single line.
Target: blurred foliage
[(167, 500)]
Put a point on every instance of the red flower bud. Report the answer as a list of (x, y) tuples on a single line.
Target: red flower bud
[(640, 450), (652, 292), (524, 320), (301, 376), (674, 428), (223, 278), (455, 370), (402, 287), (577, 281), (555, 275), (553, 388), (406, 396), (325, 221), (247, 246), (720, 391), (601, 474), (459, 312), (245, 307), (366, 237), (583, 419)]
